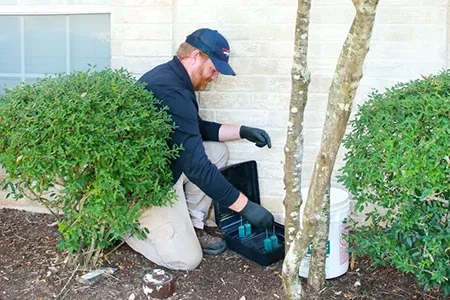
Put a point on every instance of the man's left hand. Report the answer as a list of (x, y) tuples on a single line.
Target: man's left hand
[(255, 135)]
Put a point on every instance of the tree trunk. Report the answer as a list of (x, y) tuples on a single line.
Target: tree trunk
[(316, 276), (294, 146), (342, 93)]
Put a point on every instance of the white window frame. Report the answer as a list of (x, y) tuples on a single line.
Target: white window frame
[(36, 10), (26, 10)]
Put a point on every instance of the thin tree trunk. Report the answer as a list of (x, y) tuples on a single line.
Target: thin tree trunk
[(316, 276), (342, 92), (294, 145), (348, 74)]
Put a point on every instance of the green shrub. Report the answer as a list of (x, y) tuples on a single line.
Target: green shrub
[(97, 138), (399, 159)]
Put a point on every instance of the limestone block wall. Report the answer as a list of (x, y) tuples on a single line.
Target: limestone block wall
[(410, 38)]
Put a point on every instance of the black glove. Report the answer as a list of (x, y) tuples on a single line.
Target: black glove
[(257, 215), (255, 135)]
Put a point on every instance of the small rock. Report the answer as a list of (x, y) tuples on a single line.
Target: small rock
[(92, 275)]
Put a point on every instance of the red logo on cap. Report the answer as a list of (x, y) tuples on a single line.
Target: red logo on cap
[(226, 51)]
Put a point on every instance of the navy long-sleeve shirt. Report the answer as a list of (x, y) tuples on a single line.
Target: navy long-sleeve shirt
[(171, 84)]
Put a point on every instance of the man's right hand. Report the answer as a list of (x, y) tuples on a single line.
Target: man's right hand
[(257, 215)]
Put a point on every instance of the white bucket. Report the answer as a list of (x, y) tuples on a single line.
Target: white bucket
[(336, 262)]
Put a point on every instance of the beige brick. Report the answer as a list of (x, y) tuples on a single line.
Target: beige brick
[(319, 3), (224, 99), (117, 48), (316, 102), (320, 84), (411, 15), (142, 2), (307, 171), (273, 32), (277, 135), (139, 65), (409, 33), (340, 14), (147, 14), (328, 32), (245, 150), (233, 32), (325, 49), (148, 32), (399, 69), (407, 51), (282, 49), (280, 83), (385, 3), (207, 114), (270, 101), (313, 134), (380, 82), (182, 31), (310, 153), (261, 66), (271, 186), (250, 49), (117, 31), (241, 84), (325, 67), (270, 170), (240, 3), (147, 48), (186, 3), (279, 118), (415, 2), (247, 117), (409, 39), (196, 14), (264, 15), (273, 203)]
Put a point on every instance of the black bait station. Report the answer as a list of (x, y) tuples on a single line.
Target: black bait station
[(259, 245)]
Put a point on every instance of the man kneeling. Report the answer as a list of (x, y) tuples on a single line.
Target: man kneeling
[(176, 238)]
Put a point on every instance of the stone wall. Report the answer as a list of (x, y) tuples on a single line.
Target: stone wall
[(409, 39)]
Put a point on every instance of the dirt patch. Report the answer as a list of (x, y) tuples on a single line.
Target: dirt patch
[(31, 266)]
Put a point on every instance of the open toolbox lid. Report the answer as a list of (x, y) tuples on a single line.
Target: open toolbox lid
[(244, 177)]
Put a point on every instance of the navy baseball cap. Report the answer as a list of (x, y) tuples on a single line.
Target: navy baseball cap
[(213, 44)]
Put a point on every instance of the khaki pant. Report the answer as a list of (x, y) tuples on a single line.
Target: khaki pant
[(171, 241)]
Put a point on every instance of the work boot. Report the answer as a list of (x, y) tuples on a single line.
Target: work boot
[(211, 245)]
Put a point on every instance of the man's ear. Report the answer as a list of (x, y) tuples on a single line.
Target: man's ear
[(195, 54), (196, 58)]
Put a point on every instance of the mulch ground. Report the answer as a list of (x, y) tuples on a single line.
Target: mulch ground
[(32, 268)]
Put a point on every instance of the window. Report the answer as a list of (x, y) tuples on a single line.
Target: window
[(48, 39)]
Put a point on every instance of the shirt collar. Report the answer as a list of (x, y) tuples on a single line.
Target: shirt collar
[(181, 72)]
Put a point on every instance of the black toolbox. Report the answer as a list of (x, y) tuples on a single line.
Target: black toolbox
[(244, 177)]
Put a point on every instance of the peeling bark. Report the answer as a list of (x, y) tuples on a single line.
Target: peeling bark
[(294, 151), (340, 101), (348, 74), (316, 276)]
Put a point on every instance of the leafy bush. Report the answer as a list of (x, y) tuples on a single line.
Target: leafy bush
[(399, 159), (99, 142)]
